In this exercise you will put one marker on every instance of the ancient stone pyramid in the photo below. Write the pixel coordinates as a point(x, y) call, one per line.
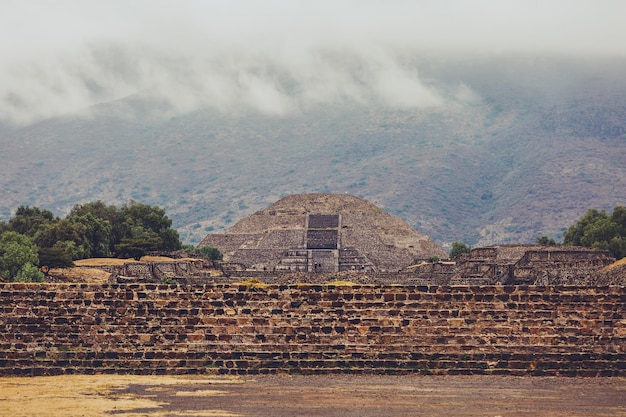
point(323, 233)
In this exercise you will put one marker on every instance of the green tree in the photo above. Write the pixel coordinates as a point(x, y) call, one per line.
point(599, 233)
point(190, 249)
point(619, 218)
point(170, 239)
point(617, 247)
point(132, 230)
point(96, 208)
point(458, 248)
point(103, 223)
point(96, 229)
point(75, 252)
point(545, 240)
point(64, 231)
point(596, 229)
point(141, 221)
point(210, 252)
point(97, 232)
point(29, 220)
point(575, 233)
point(18, 257)
point(137, 247)
point(55, 257)
point(29, 273)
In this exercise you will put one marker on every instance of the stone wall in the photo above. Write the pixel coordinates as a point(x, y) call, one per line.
point(156, 271)
point(50, 329)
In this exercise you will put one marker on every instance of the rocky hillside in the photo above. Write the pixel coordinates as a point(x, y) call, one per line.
point(523, 146)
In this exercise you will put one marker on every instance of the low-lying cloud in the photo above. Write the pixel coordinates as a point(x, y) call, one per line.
point(274, 57)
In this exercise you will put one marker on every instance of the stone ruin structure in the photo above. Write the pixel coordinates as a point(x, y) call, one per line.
point(160, 271)
point(531, 264)
point(236, 329)
point(323, 233)
point(487, 325)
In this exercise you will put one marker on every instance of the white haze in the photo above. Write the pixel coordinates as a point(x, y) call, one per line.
point(275, 57)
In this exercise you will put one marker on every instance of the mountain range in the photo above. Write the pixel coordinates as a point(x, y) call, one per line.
point(521, 146)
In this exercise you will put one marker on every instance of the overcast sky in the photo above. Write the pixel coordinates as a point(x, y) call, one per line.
point(61, 57)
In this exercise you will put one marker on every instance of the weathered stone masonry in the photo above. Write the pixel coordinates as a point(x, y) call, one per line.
point(221, 328)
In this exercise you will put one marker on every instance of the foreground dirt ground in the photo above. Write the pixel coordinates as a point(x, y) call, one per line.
point(171, 396)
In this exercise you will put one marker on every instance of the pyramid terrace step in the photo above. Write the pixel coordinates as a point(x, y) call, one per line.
point(89, 328)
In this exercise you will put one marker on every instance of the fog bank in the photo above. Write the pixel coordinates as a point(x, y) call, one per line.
point(274, 57)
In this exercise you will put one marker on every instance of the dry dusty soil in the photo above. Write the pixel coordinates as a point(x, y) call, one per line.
point(124, 396)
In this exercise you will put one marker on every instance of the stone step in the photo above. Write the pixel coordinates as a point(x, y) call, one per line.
point(246, 367)
point(348, 352)
point(300, 308)
point(49, 371)
point(318, 342)
point(384, 344)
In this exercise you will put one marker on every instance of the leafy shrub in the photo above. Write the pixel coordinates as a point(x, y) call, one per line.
point(545, 240)
point(596, 229)
point(210, 252)
point(459, 248)
point(18, 257)
point(29, 273)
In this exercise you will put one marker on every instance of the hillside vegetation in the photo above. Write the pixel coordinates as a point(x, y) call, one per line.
point(531, 144)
